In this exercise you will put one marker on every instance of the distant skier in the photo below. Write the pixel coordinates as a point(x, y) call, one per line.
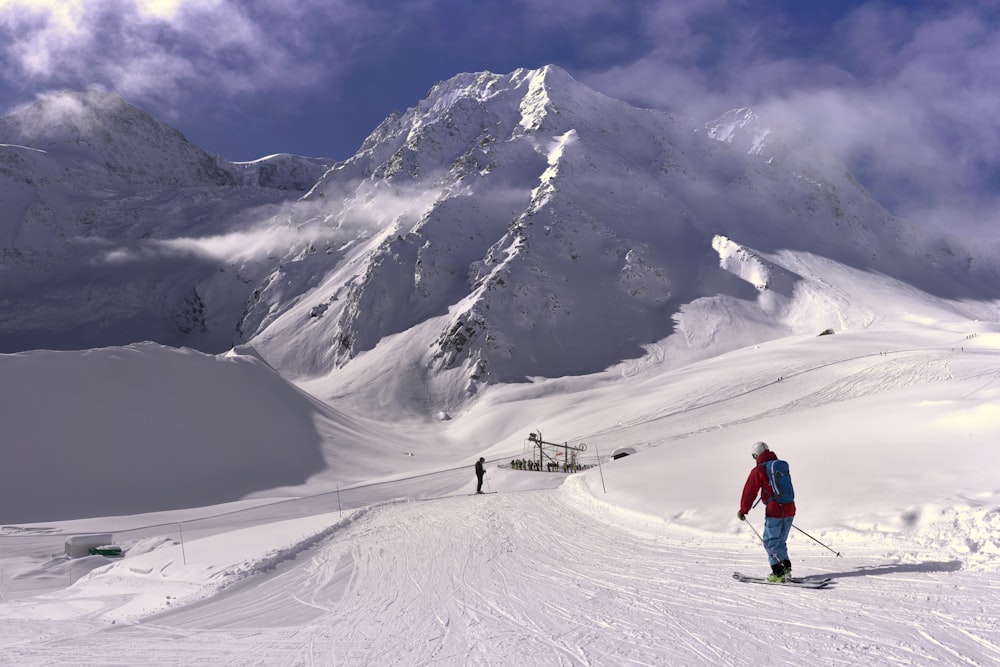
point(778, 516)
point(480, 472)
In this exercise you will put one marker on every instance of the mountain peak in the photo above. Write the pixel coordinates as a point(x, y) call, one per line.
point(483, 85)
point(475, 108)
point(69, 117)
point(542, 91)
point(746, 131)
point(94, 125)
point(550, 87)
point(540, 88)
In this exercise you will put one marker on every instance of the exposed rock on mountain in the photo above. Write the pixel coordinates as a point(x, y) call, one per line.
point(507, 226)
point(546, 229)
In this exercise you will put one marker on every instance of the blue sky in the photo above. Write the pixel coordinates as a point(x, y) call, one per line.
point(906, 93)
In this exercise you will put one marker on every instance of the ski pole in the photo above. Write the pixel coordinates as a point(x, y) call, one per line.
point(815, 540)
point(487, 478)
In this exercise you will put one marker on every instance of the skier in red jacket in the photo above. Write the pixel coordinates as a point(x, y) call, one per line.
point(777, 516)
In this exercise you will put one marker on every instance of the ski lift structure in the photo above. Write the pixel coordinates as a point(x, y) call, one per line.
point(552, 455)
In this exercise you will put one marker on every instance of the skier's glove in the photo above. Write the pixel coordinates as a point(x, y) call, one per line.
point(741, 516)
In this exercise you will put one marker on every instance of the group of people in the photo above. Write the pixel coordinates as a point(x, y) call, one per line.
point(550, 466)
point(778, 512)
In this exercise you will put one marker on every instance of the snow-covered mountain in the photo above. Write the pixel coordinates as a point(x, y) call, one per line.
point(506, 227)
point(99, 139)
point(524, 225)
point(94, 191)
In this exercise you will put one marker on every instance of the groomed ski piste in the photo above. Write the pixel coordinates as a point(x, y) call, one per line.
point(890, 432)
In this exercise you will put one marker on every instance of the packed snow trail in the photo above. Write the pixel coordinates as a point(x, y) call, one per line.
point(554, 577)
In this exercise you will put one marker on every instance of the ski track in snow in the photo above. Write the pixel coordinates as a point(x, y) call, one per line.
point(467, 580)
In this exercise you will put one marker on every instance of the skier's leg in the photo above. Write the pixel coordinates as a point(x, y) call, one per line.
point(780, 547)
point(772, 538)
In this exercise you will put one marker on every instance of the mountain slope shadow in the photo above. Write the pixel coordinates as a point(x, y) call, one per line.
point(147, 425)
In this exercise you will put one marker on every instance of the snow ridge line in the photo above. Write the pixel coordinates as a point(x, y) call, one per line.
point(270, 561)
point(579, 496)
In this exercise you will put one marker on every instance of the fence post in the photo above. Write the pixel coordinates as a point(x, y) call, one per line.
point(180, 530)
point(600, 468)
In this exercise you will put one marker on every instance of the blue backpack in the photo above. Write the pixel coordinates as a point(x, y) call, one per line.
point(780, 480)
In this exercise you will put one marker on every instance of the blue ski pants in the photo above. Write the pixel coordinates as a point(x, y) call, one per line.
point(776, 531)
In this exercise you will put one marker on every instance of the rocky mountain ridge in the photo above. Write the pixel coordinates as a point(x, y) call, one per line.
point(555, 231)
point(508, 226)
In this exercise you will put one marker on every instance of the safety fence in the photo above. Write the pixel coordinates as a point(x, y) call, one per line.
point(33, 558)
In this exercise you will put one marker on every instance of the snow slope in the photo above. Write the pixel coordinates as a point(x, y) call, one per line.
point(147, 428)
point(888, 425)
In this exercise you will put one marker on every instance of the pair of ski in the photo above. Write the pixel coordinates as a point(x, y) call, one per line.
point(791, 581)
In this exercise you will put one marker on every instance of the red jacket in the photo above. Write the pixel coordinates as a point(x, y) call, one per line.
point(757, 482)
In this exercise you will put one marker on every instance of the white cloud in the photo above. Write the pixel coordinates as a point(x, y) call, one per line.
point(166, 9)
point(908, 100)
point(157, 50)
point(301, 225)
point(923, 118)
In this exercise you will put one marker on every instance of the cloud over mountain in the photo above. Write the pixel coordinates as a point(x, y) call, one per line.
point(174, 48)
point(898, 94)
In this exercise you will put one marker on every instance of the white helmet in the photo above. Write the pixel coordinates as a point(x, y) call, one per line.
point(758, 449)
